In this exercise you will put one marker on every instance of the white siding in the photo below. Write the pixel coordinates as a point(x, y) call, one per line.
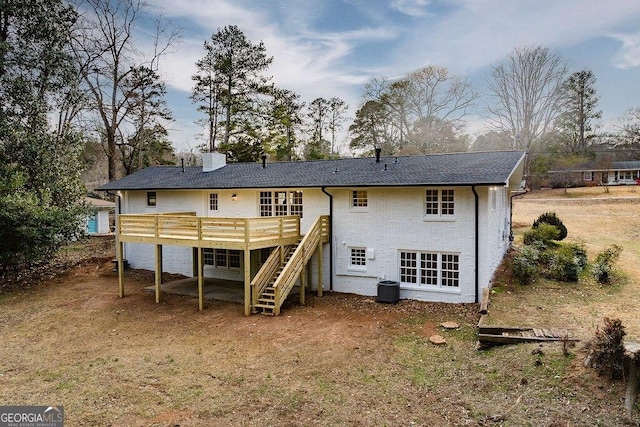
point(177, 259)
point(394, 220)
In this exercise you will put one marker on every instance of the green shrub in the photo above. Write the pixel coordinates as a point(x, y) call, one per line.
point(544, 234)
point(564, 265)
point(525, 264)
point(580, 254)
point(603, 265)
point(551, 218)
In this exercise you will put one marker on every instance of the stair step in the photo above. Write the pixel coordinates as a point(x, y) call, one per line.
point(265, 306)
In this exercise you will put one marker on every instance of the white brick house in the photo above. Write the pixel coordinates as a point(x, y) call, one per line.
point(437, 224)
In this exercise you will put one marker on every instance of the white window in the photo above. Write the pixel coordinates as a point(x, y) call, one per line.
point(450, 269)
point(209, 258)
point(359, 199)
point(266, 203)
point(221, 258)
point(629, 175)
point(151, 199)
point(440, 203)
point(429, 268)
point(280, 203)
point(358, 257)
point(587, 176)
point(213, 201)
point(408, 267)
point(435, 269)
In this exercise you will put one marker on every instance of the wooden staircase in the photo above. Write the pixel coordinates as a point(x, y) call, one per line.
point(267, 299)
point(277, 277)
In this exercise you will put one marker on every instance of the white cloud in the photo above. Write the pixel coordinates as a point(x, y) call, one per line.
point(475, 34)
point(628, 56)
point(411, 7)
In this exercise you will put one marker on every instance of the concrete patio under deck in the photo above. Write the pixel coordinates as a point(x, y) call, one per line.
point(214, 289)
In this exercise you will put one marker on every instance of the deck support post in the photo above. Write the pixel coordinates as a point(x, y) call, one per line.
point(320, 268)
point(158, 271)
point(120, 261)
point(247, 282)
point(200, 280)
point(303, 284)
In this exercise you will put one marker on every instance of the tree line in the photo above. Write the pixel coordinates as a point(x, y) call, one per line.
point(73, 77)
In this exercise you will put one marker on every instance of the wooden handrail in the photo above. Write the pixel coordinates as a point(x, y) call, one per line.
point(266, 273)
point(284, 283)
point(188, 227)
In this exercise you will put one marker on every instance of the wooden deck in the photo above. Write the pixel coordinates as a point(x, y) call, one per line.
point(186, 229)
point(244, 234)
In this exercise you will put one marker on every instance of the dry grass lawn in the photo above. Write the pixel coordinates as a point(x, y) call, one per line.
point(342, 360)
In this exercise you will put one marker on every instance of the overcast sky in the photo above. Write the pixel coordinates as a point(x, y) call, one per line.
point(326, 48)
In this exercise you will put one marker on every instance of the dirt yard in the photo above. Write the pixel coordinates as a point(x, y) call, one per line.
point(67, 339)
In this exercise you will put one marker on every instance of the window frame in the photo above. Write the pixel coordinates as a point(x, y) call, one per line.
point(429, 270)
point(222, 259)
point(359, 200)
point(152, 199)
point(213, 202)
point(357, 258)
point(280, 203)
point(439, 204)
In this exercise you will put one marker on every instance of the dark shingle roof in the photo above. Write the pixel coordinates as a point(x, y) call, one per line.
point(488, 168)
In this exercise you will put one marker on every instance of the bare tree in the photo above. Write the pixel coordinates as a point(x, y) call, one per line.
point(428, 103)
point(435, 95)
point(525, 88)
point(107, 52)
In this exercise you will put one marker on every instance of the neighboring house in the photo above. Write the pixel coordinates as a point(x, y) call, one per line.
point(437, 224)
point(97, 223)
point(597, 173)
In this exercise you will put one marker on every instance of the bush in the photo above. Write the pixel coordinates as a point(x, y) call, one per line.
point(551, 218)
point(603, 265)
point(580, 254)
point(565, 265)
point(607, 349)
point(525, 264)
point(544, 234)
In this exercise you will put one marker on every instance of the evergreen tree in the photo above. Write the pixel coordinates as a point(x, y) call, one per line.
point(579, 104)
point(40, 186)
point(230, 89)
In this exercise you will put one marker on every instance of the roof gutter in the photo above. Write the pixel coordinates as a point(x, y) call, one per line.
point(330, 239)
point(477, 244)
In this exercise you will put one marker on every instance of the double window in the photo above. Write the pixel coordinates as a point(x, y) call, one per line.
point(222, 258)
point(430, 269)
point(440, 203)
point(280, 203)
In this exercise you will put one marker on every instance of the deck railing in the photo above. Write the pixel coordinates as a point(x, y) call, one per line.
point(188, 229)
point(319, 232)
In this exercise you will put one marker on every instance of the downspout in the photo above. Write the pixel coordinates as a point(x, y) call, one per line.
point(477, 244)
point(511, 213)
point(330, 238)
point(119, 201)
